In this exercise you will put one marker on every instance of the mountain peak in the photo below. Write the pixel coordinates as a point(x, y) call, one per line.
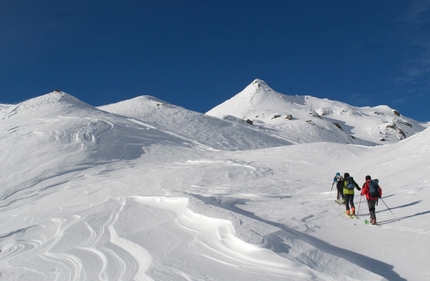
point(258, 82)
point(308, 119)
point(53, 97)
point(255, 99)
point(257, 85)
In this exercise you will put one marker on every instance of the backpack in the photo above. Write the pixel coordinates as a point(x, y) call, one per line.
point(349, 183)
point(373, 188)
point(339, 181)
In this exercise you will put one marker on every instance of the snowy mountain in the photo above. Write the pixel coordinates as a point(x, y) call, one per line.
point(146, 190)
point(208, 131)
point(304, 119)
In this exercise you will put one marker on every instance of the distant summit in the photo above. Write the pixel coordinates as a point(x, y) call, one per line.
point(56, 96)
point(304, 119)
point(258, 84)
point(56, 100)
point(257, 99)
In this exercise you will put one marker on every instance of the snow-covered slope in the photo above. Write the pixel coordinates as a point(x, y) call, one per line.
point(129, 195)
point(304, 119)
point(65, 135)
point(206, 130)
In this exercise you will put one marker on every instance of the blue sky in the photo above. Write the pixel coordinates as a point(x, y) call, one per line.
point(197, 54)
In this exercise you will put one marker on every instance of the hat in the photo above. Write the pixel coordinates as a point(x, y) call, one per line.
point(337, 174)
point(368, 177)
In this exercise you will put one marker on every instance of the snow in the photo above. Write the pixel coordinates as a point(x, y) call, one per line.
point(146, 190)
point(320, 119)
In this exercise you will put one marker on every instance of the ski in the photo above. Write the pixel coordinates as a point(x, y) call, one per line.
point(351, 216)
point(368, 223)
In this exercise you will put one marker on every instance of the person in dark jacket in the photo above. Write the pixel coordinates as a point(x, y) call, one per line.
point(338, 180)
point(348, 191)
point(371, 201)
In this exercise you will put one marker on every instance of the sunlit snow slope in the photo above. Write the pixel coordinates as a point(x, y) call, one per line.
point(202, 129)
point(145, 190)
point(304, 119)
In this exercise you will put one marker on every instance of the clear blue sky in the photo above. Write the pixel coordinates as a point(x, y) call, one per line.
point(199, 53)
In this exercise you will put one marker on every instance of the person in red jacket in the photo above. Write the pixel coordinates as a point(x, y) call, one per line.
point(372, 201)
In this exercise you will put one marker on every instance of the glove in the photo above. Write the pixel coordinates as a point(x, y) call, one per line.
point(359, 188)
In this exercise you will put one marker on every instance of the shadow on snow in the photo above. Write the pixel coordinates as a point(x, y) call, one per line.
point(378, 267)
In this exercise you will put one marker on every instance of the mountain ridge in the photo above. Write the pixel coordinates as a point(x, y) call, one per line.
point(272, 118)
point(204, 129)
point(292, 117)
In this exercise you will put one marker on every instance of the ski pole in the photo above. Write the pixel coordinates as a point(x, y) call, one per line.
point(359, 204)
point(389, 209)
point(330, 191)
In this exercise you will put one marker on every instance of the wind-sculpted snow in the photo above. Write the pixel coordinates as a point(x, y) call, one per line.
point(82, 246)
point(140, 238)
point(215, 240)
